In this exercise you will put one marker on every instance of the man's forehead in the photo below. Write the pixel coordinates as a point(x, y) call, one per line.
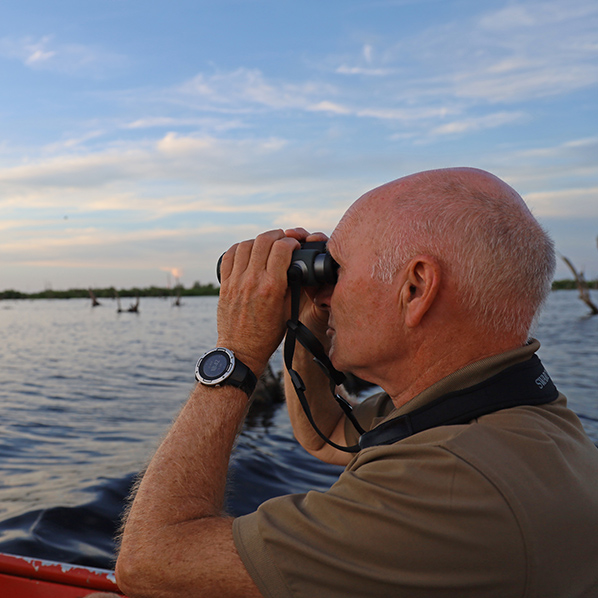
point(351, 226)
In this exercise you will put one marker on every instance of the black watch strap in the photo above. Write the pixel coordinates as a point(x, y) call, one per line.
point(242, 377)
point(220, 366)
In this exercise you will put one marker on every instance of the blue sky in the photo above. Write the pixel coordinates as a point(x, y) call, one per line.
point(140, 139)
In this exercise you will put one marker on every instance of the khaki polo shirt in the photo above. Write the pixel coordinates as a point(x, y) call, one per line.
point(505, 506)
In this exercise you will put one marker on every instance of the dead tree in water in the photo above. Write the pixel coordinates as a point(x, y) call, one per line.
point(94, 300)
point(177, 301)
point(134, 307)
point(582, 286)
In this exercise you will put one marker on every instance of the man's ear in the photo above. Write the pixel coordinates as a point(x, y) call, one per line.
point(420, 288)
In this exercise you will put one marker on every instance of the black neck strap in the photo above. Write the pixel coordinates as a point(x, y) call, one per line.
point(525, 383)
point(296, 331)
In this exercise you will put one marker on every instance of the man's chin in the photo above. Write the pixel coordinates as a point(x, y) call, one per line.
point(333, 354)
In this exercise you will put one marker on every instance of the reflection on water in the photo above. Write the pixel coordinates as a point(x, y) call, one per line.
point(86, 394)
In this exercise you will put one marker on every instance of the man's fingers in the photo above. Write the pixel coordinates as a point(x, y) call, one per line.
point(302, 235)
point(262, 247)
point(226, 262)
point(253, 256)
point(242, 257)
point(297, 233)
point(317, 237)
point(279, 258)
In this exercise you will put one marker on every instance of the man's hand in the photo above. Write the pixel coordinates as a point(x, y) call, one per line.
point(254, 301)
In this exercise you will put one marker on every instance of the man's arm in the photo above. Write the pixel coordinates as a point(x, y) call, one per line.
point(326, 412)
point(176, 541)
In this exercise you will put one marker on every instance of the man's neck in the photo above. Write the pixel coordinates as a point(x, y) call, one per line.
point(428, 366)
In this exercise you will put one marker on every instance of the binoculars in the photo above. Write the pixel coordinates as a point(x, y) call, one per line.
point(311, 266)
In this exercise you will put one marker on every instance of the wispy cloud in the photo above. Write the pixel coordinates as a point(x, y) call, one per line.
point(173, 175)
point(522, 52)
point(47, 53)
point(516, 53)
point(366, 65)
point(565, 203)
point(510, 56)
point(576, 159)
point(218, 125)
point(247, 89)
point(477, 123)
point(99, 247)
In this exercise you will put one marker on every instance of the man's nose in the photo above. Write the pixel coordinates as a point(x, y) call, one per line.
point(322, 296)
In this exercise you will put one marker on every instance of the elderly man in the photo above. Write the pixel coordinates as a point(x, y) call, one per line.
point(440, 277)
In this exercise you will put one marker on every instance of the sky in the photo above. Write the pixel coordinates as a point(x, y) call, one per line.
point(140, 139)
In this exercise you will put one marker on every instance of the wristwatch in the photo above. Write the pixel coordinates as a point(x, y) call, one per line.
point(220, 366)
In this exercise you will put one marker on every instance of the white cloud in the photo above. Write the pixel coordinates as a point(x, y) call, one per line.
point(489, 121)
point(518, 52)
point(366, 65)
point(537, 14)
point(38, 56)
point(554, 166)
point(219, 125)
point(172, 157)
point(323, 220)
point(331, 107)
point(344, 69)
point(173, 176)
point(45, 53)
point(247, 89)
point(528, 51)
point(27, 50)
point(565, 203)
point(515, 54)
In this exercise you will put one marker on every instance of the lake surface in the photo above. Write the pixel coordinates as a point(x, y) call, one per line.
point(86, 394)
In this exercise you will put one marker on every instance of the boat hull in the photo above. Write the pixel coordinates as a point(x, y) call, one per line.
point(25, 577)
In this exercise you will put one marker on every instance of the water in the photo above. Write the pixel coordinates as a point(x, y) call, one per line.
point(86, 394)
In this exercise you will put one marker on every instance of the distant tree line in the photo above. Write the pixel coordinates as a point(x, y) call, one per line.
point(559, 285)
point(108, 293)
point(196, 290)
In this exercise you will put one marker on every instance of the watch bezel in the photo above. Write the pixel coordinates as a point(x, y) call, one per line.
point(222, 377)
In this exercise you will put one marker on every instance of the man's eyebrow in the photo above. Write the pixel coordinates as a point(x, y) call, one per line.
point(333, 248)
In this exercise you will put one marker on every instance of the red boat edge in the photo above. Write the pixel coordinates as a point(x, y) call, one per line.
point(26, 577)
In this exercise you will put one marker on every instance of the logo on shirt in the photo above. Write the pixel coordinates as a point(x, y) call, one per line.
point(543, 379)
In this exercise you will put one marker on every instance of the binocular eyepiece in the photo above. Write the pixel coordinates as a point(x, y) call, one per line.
point(311, 266)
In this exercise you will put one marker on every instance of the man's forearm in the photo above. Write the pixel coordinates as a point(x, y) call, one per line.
point(326, 412)
point(177, 512)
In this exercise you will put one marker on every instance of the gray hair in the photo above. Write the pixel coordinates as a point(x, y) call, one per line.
point(485, 238)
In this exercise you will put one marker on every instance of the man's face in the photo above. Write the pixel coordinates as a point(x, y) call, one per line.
point(363, 312)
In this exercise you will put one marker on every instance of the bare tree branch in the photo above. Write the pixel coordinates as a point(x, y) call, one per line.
point(582, 286)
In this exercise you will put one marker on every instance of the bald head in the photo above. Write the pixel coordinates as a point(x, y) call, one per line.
point(449, 188)
point(479, 229)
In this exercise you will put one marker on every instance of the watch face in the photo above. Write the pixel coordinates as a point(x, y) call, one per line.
point(214, 366)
